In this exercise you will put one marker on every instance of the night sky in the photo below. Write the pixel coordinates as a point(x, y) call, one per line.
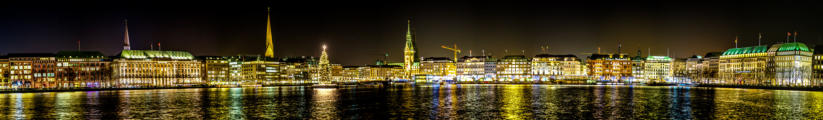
point(360, 32)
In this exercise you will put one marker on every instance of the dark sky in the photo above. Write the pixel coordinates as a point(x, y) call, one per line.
point(361, 32)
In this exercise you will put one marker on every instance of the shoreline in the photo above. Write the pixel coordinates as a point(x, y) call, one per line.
point(820, 88)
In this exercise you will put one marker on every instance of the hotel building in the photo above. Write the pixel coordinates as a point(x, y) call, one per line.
point(437, 69)
point(784, 64)
point(817, 66)
point(83, 69)
point(658, 69)
point(32, 70)
point(476, 69)
point(556, 68)
point(150, 68)
point(609, 67)
point(4, 72)
point(514, 68)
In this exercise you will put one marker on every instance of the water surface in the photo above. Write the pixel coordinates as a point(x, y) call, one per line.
point(419, 102)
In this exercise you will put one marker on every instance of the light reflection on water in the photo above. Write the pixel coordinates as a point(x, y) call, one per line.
point(420, 102)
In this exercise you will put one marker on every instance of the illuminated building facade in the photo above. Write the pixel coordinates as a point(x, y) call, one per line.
point(817, 66)
point(747, 65)
point(336, 72)
point(476, 69)
point(351, 74)
point(4, 72)
point(658, 69)
point(83, 69)
point(261, 71)
point(438, 69)
point(150, 68)
point(217, 70)
point(793, 65)
point(32, 70)
point(297, 70)
point(381, 73)
point(708, 67)
point(514, 68)
point(556, 68)
point(638, 68)
point(679, 71)
point(784, 64)
point(609, 67)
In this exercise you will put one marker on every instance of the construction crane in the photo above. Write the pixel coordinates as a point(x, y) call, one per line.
point(455, 49)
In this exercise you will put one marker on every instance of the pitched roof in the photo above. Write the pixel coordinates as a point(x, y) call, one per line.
point(155, 54)
point(794, 46)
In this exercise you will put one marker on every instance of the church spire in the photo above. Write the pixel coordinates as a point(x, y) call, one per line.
point(126, 45)
point(269, 43)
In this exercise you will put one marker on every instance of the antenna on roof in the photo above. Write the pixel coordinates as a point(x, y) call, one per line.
point(795, 36)
point(759, 38)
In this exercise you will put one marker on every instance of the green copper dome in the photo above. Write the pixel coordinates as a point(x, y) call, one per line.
point(150, 54)
point(747, 50)
point(793, 46)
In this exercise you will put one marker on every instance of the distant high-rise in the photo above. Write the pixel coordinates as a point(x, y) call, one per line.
point(126, 45)
point(410, 57)
point(269, 43)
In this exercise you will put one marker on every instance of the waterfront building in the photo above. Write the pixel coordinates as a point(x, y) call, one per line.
point(35, 70)
point(151, 68)
point(784, 64)
point(411, 61)
point(351, 74)
point(83, 69)
point(609, 67)
point(220, 70)
point(693, 67)
point(679, 71)
point(336, 72)
point(817, 66)
point(381, 73)
point(751, 65)
point(437, 69)
point(261, 71)
point(658, 69)
point(708, 67)
point(514, 68)
point(4, 72)
point(476, 69)
point(638, 68)
point(297, 70)
point(556, 68)
point(792, 62)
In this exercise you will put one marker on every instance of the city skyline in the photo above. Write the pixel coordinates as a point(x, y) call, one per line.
point(494, 31)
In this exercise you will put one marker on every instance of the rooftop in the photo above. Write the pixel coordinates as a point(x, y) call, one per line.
point(30, 55)
point(747, 50)
point(155, 54)
point(551, 55)
point(514, 57)
point(80, 54)
point(794, 46)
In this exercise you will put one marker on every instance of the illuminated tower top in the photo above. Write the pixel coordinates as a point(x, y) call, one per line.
point(410, 56)
point(324, 58)
point(269, 42)
point(126, 45)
